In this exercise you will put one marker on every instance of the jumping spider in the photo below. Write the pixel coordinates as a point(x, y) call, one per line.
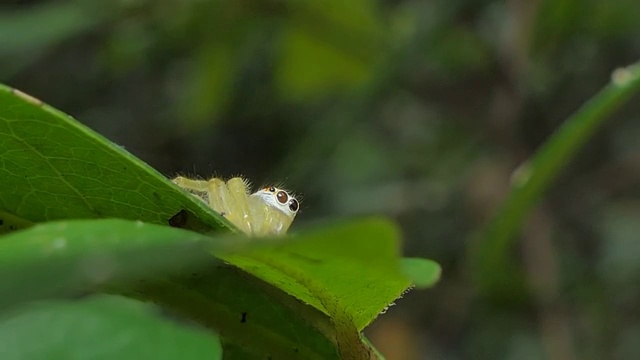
point(268, 211)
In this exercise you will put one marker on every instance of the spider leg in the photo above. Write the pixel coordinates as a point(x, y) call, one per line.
point(221, 200)
point(238, 188)
point(218, 196)
point(198, 188)
point(194, 185)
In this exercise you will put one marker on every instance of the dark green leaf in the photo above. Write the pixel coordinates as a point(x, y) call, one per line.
point(56, 168)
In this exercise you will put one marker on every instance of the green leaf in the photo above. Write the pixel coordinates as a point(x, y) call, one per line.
point(356, 263)
point(71, 257)
point(55, 168)
point(168, 266)
point(251, 316)
point(104, 327)
point(495, 271)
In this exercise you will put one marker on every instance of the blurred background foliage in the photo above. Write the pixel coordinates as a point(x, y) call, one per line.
point(418, 110)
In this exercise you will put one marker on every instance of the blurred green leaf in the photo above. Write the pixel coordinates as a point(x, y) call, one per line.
point(493, 267)
point(560, 22)
point(211, 80)
point(128, 46)
point(621, 249)
point(56, 168)
point(62, 258)
point(44, 25)
point(458, 52)
point(104, 327)
point(170, 267)
point(614, 18)
point(327, 47)
point(310, 67)
point(361, 17)
point(422, 272)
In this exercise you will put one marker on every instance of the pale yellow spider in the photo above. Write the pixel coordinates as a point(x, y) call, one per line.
point(268, 211)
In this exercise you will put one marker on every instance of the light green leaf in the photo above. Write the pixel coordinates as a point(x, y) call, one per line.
point(104, 327)
point(167, 266)
point(356, 264)
point(424, 273)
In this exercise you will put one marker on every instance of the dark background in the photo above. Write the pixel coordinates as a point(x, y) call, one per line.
point(416, 110)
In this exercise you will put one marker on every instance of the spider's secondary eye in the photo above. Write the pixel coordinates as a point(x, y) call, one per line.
point(282, 197)
point(271, 189)
point(293, 206)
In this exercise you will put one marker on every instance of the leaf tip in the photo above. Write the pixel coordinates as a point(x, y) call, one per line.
point(423, 273)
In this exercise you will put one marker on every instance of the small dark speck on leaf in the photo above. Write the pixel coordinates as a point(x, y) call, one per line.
point(178, 220)
point(244, 317)
point(11, 227)
point(1, 222)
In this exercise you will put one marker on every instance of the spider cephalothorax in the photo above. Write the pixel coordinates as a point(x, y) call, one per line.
point(268, 211)
point(279, 198)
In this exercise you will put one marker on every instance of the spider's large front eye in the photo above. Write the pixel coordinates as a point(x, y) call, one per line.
point(293, 205)
point(282, 197)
